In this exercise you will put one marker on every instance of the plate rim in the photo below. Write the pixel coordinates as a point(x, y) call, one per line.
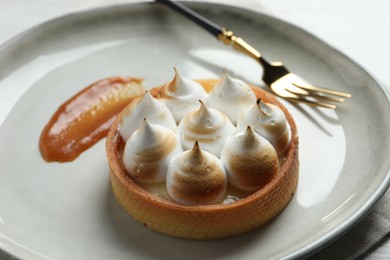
point(307, 250)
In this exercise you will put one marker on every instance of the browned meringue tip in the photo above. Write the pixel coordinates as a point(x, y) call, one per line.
point(203, 109)
point(250, 139)
point(264, 108)
point(249, 132)
point(201, 105)
point(146, 125)
point(196, 152)
point(171, 85)
point(147, 94)
point(224, 75)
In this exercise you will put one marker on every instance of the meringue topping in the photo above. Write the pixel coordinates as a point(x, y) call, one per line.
point(181, 95)
point(250, 161)
point(145, 107)
point(148, 152)
point(231, 96)
point(208, 126)
point(196, 177)
point(269, 121)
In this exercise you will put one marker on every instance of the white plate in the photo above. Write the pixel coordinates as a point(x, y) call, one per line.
point(67, 211)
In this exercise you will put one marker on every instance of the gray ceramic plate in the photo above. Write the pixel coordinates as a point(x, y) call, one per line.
point(67, 211)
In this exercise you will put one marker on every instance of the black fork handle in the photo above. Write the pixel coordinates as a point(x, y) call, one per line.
point(206, 24)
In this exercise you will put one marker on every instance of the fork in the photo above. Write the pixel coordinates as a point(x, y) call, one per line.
point(275, 75)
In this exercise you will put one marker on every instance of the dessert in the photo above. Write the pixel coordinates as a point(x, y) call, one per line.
point(229, 210)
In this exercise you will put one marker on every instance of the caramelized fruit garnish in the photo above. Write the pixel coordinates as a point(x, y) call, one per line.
point(86, 117)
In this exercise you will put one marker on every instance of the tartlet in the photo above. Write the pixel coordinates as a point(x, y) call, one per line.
point(205, 221)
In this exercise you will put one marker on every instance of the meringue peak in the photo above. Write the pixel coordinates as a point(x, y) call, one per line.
point(264, 108)
point(196, 155)
point(179, 85)
point(228, 82)
point(181, 95)
point(145, 106)
point(269, 121)
point(196, 177)
point(250, 161)
point(147, 131)
point(171, 86)
point(148, 152)
point(250, 137)
point(231, 96)
point(147, 97)
point(208, 126)
point(203, 112)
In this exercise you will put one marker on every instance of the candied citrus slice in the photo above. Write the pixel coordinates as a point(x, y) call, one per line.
point(86, 117)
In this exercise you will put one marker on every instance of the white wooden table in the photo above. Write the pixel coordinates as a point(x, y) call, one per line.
point(360, 29)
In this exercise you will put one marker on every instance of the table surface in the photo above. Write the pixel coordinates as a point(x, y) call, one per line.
point(359, 29)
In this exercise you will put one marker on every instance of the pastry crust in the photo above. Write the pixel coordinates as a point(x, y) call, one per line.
point(205, 221)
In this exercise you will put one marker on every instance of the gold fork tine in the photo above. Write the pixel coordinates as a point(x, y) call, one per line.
point(312, 88)
point(284, 88)
point(327, 98)
point(304, 99)
point(289, 87)
point(316, 95)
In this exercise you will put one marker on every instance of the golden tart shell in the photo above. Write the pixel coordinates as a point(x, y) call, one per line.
point(205, 221)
